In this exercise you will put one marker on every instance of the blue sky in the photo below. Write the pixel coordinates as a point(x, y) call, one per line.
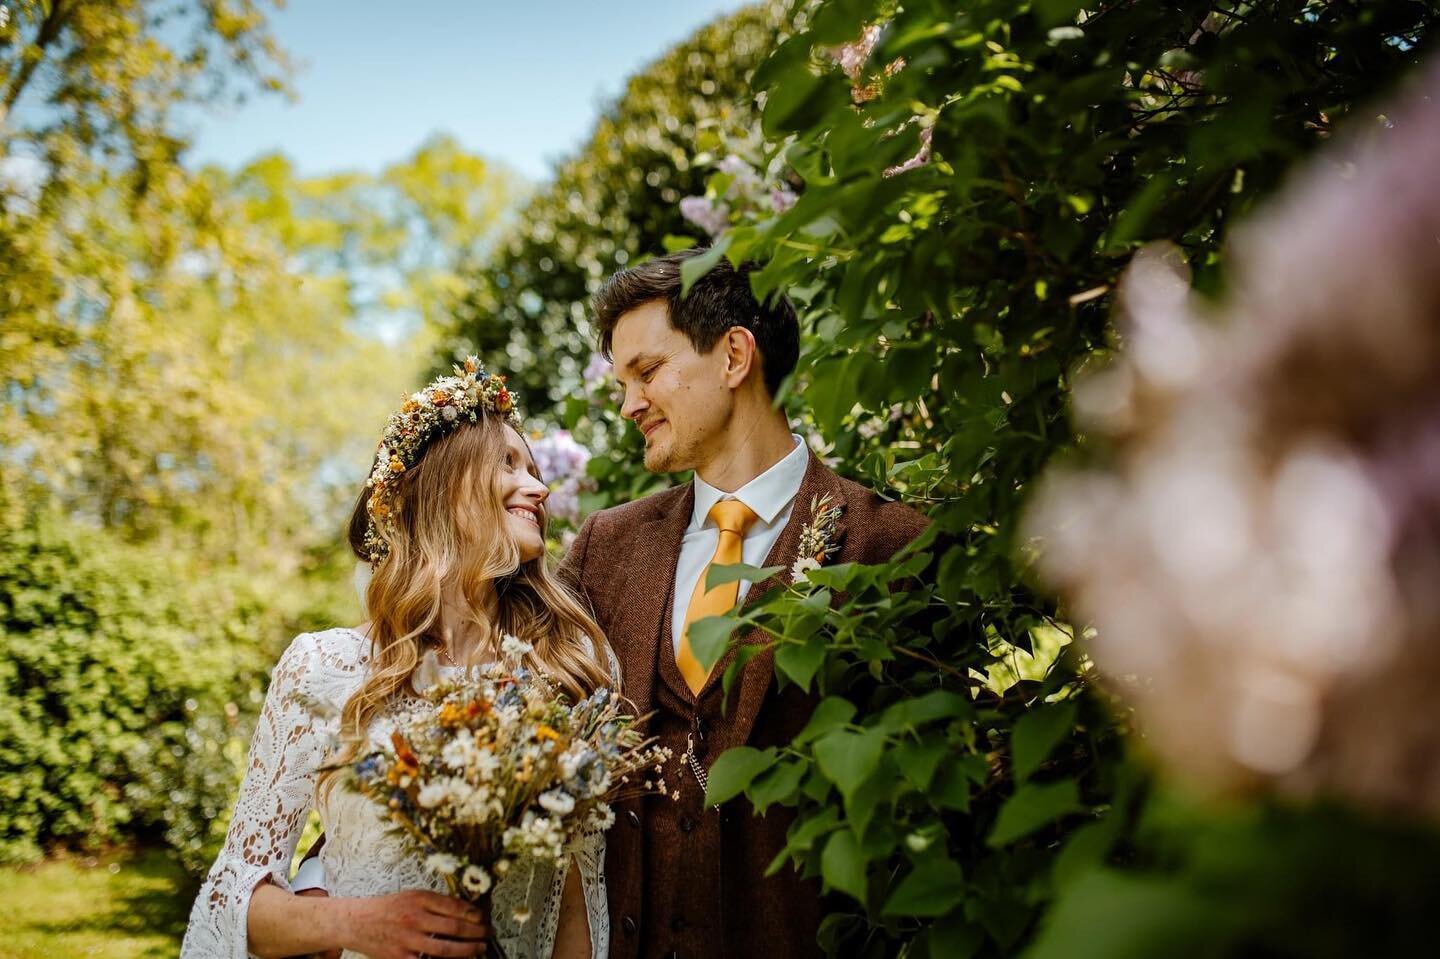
point(519, 81)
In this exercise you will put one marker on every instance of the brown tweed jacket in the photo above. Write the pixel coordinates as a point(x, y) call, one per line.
point(623, 562)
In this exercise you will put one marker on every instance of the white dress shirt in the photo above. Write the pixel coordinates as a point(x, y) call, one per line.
point(771, 496)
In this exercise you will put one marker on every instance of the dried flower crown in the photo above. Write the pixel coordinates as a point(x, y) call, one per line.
point(426, 416)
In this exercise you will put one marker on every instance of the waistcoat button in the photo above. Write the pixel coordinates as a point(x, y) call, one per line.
point(628, 925)
point(686, 824)
point(634, 819)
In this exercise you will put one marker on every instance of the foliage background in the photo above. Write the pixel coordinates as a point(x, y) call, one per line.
point(190, 364)
point(972, 182)
point(965, 184)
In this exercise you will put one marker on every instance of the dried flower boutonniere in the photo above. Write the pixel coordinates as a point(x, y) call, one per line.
point(818, 538)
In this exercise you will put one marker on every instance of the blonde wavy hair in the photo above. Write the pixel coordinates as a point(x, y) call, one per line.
point(451, 532)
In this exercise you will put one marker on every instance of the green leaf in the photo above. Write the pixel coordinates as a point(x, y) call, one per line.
point(1053, 12)
point(734, 770)
point(790, 57)
point(842, 864)
point(776, 784)
point(849, 758)
point(932, 888)
point(831, 713)
point(798, 662)
point(697, 266)
point(951, 787)
point(734, 572)
point(919, 760)
point(910, 713)
point(1034, 805)
point(1110, 915)
point(743, 654)
point(675, 244)
point(710, 636)
point(1131, 225)
point(866, 800)
point(1086, 849)
point(955, 938)
point(1038, 732)
point(840, 21)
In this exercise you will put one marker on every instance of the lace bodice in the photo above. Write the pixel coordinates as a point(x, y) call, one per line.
point(361, 856)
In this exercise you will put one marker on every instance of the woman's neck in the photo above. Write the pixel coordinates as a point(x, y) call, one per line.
point(468, 629)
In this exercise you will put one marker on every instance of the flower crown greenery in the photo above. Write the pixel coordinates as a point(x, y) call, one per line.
point(433, 412)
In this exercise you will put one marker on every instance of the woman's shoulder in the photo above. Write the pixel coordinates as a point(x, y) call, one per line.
point(320, 662)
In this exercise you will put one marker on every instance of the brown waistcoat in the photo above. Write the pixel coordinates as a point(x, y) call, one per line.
point(684, 880)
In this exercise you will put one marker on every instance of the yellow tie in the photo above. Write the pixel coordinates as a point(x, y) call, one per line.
point(734, 518)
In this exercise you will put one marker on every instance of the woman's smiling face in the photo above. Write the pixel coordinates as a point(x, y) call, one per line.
point(522, 496)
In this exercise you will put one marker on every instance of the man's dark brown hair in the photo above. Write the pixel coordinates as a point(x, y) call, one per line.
point(717, 301)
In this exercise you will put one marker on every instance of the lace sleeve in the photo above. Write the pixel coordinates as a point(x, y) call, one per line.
point(276, 794)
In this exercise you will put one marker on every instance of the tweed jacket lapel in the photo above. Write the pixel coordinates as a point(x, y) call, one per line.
point(649, 581)
point(754, 681)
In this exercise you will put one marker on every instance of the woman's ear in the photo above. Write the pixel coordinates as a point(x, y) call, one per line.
point(741, 355)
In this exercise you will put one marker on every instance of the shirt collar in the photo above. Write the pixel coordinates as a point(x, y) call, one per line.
point(767, 494)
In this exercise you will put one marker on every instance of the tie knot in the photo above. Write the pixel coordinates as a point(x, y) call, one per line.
point(732, 516)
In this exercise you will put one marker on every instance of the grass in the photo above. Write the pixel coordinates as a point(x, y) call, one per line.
point(122, 905)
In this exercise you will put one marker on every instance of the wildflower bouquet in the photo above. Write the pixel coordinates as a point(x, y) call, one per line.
point(498, 769)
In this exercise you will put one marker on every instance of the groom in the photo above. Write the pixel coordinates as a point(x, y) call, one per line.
point(700, 374)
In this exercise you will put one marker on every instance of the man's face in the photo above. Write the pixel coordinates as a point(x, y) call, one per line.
point(677, 397)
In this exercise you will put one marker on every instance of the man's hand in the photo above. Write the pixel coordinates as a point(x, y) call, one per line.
point(314, 893)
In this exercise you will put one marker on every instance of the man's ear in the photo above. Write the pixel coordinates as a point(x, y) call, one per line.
point(742, 357)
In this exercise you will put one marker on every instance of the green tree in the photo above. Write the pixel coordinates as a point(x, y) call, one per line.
point(614, 201)
point(194, 369)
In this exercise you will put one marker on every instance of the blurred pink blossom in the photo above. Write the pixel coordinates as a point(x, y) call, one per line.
point(1259, 556)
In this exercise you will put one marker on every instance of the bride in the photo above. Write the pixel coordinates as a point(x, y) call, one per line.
point(453, 523)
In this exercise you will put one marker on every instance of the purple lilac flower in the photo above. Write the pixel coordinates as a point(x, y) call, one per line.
point(711, 217)
point(564, 501)
point(596, 371)
point(559, 457)
point(744, 180)
point(782, 198)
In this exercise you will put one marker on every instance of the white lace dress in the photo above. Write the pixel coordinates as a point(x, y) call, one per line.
point(360, 856)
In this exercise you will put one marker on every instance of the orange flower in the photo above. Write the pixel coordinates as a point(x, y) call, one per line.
point(440, 397)
point(502, 401)
point(543, 731)
point(475, 708)
point(410, 406)
point(471, 365)
point(403, 752)
point(450, 715)
point(397, 465)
